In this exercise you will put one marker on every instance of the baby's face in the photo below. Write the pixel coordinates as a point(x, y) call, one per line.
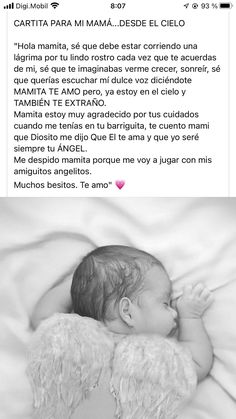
point(153, 312)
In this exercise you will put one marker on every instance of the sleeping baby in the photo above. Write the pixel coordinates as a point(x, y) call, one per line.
point(129, 292)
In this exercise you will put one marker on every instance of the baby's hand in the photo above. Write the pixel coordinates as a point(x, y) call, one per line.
point(194, 301)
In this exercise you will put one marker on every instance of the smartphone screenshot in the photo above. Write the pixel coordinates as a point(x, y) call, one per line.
point(117, 209)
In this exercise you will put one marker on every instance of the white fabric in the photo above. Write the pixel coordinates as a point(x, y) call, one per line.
point(42, 240)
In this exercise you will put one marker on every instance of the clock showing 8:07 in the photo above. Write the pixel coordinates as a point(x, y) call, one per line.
point(118, 5)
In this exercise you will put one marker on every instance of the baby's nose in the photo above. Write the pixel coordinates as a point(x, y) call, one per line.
point(174, 313)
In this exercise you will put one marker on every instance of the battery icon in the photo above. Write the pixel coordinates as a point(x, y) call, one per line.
point(225, 5)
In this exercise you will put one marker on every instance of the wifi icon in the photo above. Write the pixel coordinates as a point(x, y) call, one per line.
point(54, 4)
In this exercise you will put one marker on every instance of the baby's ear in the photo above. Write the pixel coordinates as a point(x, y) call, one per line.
point(126, 311)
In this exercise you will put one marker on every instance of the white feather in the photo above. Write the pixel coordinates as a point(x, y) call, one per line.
point(151, 377)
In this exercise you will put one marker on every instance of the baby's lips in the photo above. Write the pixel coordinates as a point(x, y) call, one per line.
point(176, 323)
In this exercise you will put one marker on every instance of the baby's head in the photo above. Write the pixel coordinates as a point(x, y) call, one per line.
point(126, 288)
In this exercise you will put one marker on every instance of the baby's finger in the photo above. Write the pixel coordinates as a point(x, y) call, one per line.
point(210, 298)
point(198, 288)
point(205, 293)
point(209, 301)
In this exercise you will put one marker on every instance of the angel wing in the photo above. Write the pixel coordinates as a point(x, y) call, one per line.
point(68, 356)
point(151, 377)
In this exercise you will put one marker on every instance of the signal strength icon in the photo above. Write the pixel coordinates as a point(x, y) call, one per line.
point(54, 4)
point(9, 6)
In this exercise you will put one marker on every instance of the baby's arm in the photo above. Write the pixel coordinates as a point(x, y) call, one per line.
point(192, 334)
point(56, 300)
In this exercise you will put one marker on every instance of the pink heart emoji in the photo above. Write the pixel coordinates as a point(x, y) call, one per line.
point(120, 183)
